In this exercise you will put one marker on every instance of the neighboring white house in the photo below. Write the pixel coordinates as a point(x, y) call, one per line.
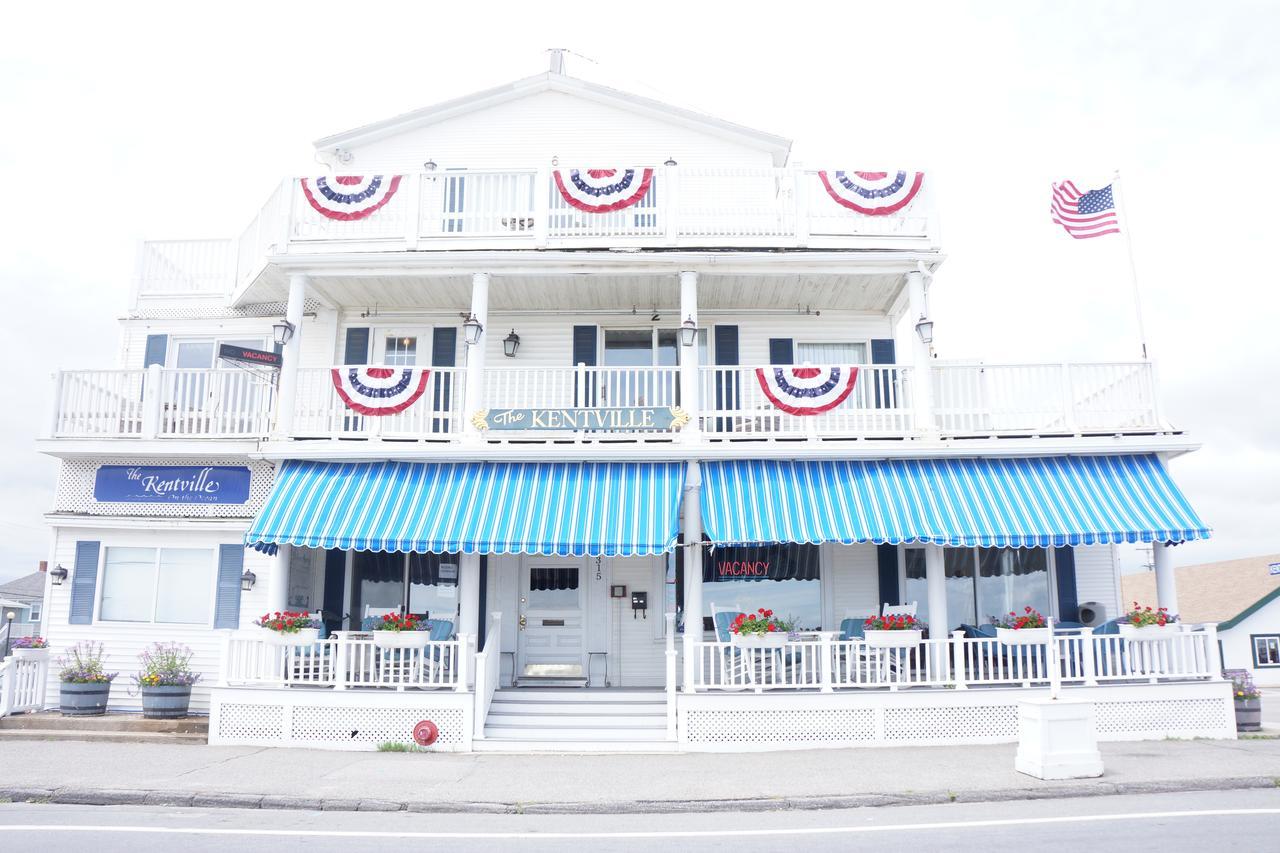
point(24, 598)
point(1242, 596)
point(569, 371)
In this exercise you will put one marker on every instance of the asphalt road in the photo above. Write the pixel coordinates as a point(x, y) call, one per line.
point(1220, 820)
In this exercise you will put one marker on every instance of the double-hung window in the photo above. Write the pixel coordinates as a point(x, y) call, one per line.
point(1266, 650)
point(172, 585)
point(828, 354)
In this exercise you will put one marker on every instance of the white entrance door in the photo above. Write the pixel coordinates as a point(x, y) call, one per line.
point(552, 624)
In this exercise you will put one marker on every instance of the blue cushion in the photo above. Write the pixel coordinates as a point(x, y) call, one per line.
point(441, 629)
point(852, 629)
point(367, 623)
point(724, 618)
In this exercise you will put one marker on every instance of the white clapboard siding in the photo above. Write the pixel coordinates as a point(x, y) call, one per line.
point(854, 583)
point(637, 652)
point(134, 333)
point(1098, 578)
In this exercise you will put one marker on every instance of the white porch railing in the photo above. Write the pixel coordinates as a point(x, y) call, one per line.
point(581, 386)
point(185, 267)
point(733, 402)
point(345, 660)
point(22, 684)
point(320, 412)
point(488, 672)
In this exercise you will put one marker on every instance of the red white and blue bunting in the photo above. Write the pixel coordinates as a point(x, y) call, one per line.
point(378, 391)
point(349, 197)
point(807, 390)
point(603, 190)
point(872, 193)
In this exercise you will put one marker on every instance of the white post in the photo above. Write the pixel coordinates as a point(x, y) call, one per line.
point(472, 395)
point(669, 199)
point(469, 594)
point(542, 206)
point(466, 648)
point(278, 582)
point(340, 651)
point(826, 671)
point(1214, 652)
point(58, 403)
point(692, 571)
point(800, 202)
point(922, 388)
point(935, 574)
point(689, 365)
point(1166, 582)
point(287, 390)
point(152, 394)
point(671, 675)
point(957, 660)
point(1088, 657)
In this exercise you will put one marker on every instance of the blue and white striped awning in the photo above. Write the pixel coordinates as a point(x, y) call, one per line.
point(1038, 501)
point(552, 508)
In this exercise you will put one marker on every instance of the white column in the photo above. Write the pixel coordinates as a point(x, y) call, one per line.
point(472, 399)
point(1166, 581)
point(468, 594)
point(278, 582)
point(693, 607)
point(936, 581)
point(689, 366)
point(922, 370)
point(287, 389)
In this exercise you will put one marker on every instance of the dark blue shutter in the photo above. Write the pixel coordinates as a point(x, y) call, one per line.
point(226, 608)
point(484, 602)
point(157, 346)
point(584, 352)
point(726, 354)
point(1064, 560)
point(882, 352)
point(887, 568)
point(444, 353)
point(84, 584)
point(335, 578)
point(356, 350)
point(782, 351)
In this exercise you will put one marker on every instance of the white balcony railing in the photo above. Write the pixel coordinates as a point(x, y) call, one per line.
point(581, 387)
point(320, 413)
point(22, 684)
point(345, 660)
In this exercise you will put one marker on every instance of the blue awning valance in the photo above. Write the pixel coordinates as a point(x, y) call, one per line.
point(553, 508)
point(1037, 501)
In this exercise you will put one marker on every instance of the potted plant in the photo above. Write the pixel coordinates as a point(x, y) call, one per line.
point(85, 685)
point(1022, 629)
point(757, 629)
point(893, 631)
point(1248, 701)
point(1143, 623)
point(165, 681)
point(30, 648)
point(401, 632)
point(287, 628)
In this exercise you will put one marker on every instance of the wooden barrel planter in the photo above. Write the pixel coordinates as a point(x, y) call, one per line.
point(84, 699)
point(1248, 715)
point(166, 702)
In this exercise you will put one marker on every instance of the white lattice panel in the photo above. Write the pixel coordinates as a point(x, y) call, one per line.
point(320, 725)
point(76, 477)
point(251, 722)
point(205, 309)
point(835, 725)
point(1173, 716)
point(970, 724)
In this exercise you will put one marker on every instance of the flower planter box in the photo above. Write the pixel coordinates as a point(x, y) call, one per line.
point(401, 639)
point(771, 640)
point(165, 702)
point(301, 637)
point(30, 654)
point(1147, 632)
point(84, 700)
point(893, 639)
point(1248, 715)
point(1023, 636)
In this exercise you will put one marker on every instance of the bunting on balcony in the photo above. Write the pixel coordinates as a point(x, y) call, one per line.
point(349, 197)
point(379, 391)
point(603, 190)
point(872, 193)
point(807, 390)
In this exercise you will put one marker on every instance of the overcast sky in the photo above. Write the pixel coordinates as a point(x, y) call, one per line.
point(126, 121)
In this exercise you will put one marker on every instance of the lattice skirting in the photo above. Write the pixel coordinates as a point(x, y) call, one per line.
point(348, 720)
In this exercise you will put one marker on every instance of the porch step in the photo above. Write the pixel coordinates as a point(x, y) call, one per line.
point(124, 723)
point(102, 736)
point(502, 719)
point(565, 718)
point(511, 745)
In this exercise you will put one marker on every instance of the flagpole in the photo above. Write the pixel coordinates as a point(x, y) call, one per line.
point(1123, 209)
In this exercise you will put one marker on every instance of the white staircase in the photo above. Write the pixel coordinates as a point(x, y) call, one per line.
point(576, 720)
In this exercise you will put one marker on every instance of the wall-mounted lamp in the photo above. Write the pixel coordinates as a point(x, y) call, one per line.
point(671, 161)
point(688, 332)
point(57, 575)
point(247, 580)
point(429, 166)
point(924, 328)
point(471, 330)
point(283, 331)
point(510, 344)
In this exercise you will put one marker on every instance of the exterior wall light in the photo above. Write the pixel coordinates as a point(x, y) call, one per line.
point(510, 344)
point(671, 161)
point(688, 332)
point(283, 332)
point(429, 166)
point(471, 330)
point(57, 575)
point(924, 328)
point(247, 580)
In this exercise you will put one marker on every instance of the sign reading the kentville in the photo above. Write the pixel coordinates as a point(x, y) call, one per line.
point(174, 484)
point(633, 419)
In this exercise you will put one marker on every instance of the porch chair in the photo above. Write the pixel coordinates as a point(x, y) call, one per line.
point(437, 666)
point(864, 662)
point(736, 664)
point(312, 664)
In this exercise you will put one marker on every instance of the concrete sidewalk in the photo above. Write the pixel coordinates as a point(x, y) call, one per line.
point(246, 777)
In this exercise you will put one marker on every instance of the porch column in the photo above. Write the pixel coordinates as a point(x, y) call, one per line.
point(473, 393)
point(1166, 581)
point(469, 594)
point(922, 368)
point(689, 366)
point(935, 573)
point(278, 583)
point(287, 388)
point(692, 524)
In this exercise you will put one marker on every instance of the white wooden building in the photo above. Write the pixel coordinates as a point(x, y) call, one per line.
point(613, 432)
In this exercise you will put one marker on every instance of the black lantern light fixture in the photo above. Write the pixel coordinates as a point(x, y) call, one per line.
point(429, 166)
point(57, 575)
point(688, 332)
point(924, 328)
point(247, 580)
point(283, 332)
point(471, 330)
point(510, 344)
point(671, 161)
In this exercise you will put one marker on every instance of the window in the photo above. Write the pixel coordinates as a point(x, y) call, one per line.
point(982, 583)
point(784, 578)
point(1266, 649)
point(422, 584)
point(400, 350)
point(34, 614)
point(202, 353)
point(553, 588)
point(831, 353)
point(157, 585)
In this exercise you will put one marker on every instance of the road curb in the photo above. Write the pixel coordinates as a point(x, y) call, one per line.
point(215, 800)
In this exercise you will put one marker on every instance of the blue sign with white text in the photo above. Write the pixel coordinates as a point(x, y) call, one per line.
point(172, 484)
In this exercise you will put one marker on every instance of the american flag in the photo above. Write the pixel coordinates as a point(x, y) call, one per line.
point(1089, 214)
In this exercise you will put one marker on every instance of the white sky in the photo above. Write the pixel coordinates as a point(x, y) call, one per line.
point(127, 121)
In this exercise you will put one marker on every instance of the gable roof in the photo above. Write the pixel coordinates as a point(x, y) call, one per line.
point(27, 586)
point(1224, 592)
point(776, 145)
